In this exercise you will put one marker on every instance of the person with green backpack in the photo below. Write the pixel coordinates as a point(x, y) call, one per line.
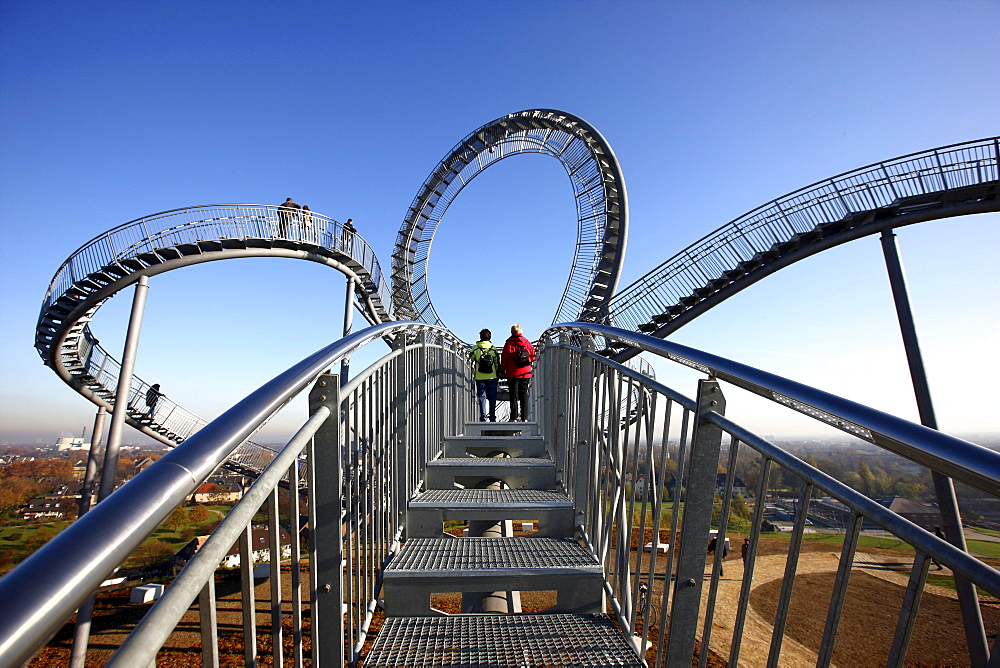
point(486, 363)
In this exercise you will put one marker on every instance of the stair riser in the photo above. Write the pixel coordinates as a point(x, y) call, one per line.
point(474, 476)
point(484, 446)
point(409, 596)
point(429, 523)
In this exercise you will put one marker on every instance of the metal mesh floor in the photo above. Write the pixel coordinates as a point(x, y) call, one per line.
point(501, 640)
point(486, 461)
point(512, 497)
point(491, 554)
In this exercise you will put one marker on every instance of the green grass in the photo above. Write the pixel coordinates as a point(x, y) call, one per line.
point(984, 548)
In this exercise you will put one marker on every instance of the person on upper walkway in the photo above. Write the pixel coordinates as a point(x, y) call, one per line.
point(515, 365)
point(347, 237)
point(486, 363)
point(286, 216)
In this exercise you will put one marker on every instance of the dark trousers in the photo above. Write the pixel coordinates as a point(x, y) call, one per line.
point(486, 392)
point(519, 398)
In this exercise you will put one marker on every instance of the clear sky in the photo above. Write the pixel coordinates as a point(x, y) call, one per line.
point(114, 110)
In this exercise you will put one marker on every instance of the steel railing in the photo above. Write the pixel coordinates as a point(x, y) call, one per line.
point(582, 397)
point(624, 445)
point(372, 435)
point(191, 225)
point(904, 180)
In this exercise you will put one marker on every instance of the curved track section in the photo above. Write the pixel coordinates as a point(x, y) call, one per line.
point(598, 188)
point(116, 259)
point(949, 181)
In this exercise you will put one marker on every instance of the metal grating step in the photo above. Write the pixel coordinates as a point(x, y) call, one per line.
point(427, 511)
point(472, 557)
point(502, 640)
point(427, 566)
point(491, 498)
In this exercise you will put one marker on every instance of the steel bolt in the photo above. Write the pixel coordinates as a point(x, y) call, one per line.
point(327, 588)
point(690, 583)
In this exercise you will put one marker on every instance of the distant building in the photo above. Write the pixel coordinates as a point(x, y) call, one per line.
point(142, 464)
point(739, 487)
point(68, 443)
point(49, 506)
point(923, 515)
point(259, 546)
point(219, 489)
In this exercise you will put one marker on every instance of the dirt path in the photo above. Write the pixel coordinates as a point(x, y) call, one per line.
point(756, 643)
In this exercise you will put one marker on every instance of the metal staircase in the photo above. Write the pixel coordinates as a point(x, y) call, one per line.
point(574, 631)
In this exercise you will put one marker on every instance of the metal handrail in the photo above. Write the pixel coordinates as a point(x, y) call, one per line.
point(207, 222)
point(43, 591)
point(879, 185)
point(602, 458)
point(956, 458)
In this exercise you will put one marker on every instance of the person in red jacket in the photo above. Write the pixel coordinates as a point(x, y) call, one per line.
point(515, 365)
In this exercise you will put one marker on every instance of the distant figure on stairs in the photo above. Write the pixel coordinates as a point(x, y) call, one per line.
point(486, 362)
point(515, 366)
point(153, 395)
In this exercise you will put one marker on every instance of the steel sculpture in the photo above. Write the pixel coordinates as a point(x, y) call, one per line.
point(598, 188)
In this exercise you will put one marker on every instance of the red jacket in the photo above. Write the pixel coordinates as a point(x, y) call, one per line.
point(508, 364)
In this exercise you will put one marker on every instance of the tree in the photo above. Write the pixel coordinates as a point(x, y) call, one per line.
point(176, 520)
point(199, 514)
point(151, 553)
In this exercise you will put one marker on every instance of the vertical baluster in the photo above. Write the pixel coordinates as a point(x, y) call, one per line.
point(249, 602)
point(791, 564)
point(209, 625)
point(274, 548)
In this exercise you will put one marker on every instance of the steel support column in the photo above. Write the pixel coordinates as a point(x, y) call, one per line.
point(120, 411)
point(944, 487)
point(345, 362)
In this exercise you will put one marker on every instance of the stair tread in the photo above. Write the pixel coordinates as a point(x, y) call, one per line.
point(489, 461)
point(502, 640)
point(474, 557)
point(491, 498)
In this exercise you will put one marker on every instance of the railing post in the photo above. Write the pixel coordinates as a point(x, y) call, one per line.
point(583, 472)
point(400, 441)
point(423, 398)
point(698, 497)
point(557, 406)
point(325, 527)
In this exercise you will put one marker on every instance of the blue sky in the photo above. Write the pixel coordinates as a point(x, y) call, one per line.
point(114, 110)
